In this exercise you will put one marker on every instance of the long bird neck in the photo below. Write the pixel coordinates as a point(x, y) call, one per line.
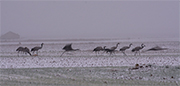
point(142, 46)
point(117, 45)
point(41, 45)
point(130, 45)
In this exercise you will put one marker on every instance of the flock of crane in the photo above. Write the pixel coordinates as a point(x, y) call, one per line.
point(26, 50)
point(68, 47)
point(112, 49)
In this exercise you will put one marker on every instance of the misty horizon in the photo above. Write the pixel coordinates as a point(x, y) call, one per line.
point(91, 19)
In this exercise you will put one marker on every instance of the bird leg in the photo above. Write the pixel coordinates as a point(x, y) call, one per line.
point(124, 53)
point(37, 52)
point(18, 53)
point(135, 53)
point(96, 53)
point(62, 53)
point(139, 52)
point(114, 53)
point(104, 52)
point(111, 52)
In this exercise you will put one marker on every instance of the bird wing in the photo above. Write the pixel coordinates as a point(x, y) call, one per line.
point(98, 48)
point(136, 48)
point(125, 47)
point(67, 47)
point(35, 48)
point(113, 48)
point(156, 48)
point(19, 48)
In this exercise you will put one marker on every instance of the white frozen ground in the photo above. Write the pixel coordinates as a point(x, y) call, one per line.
point(49, 55)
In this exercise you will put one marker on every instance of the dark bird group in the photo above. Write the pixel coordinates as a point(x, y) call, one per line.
point(107, 50)
point(123, 49)
point(68, 47)
point(26, 50)
point(112, 49)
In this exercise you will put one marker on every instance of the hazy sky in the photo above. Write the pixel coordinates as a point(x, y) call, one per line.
point(91, 19)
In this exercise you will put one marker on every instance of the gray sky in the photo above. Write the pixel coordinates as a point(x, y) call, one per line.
point(91, 19)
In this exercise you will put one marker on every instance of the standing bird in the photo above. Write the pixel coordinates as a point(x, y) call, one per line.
point(97, 49)
point(138, 48)
point(156, 48)
point(107, 50)
point(113, 48)
point(124, 48)
point(37, 48)
point(68, 47)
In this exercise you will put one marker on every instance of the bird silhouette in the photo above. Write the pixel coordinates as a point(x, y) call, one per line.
point(113, 48)
point(68, 47)
point(26, 50)
point(125, 48)
point(97, 49)
point(23, 50)
point(37, 48)
point(107, 50)
point(20, 49)
point(156, 48)
point(137, 49)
